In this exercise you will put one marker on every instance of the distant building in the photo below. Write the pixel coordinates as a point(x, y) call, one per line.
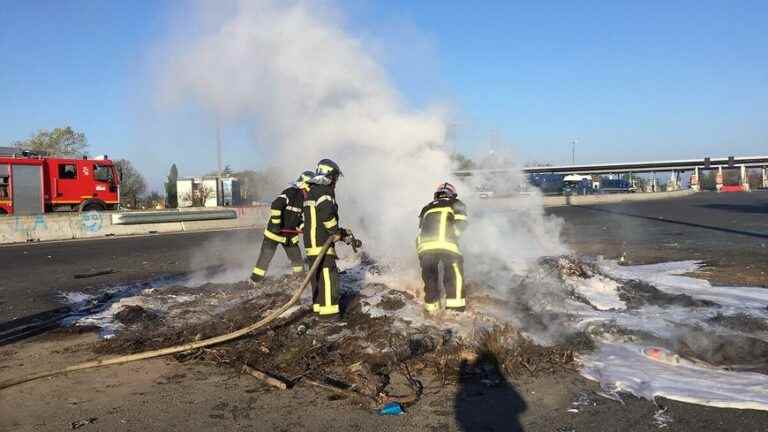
point(208, 191)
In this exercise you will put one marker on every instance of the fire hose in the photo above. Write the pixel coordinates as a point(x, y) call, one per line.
point(188, 346)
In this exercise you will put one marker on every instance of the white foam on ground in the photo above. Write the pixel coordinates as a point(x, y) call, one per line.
point(76, 297)
point(601, 292)
point(668, 277)
point(624, 367)
point(105, 319)
point(619, 364)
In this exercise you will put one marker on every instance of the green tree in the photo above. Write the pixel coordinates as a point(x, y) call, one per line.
point(132, 183)
point(171, 194)
point(58, 142)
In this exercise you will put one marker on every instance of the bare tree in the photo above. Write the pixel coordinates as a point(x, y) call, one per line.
point(132, 183)
point(59, 142)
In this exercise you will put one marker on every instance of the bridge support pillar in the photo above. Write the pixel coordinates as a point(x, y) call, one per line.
point(654, 183)
point(744, 179)
point(674, 181)
point(695, 185)
point(719, 178)
point(765, 177)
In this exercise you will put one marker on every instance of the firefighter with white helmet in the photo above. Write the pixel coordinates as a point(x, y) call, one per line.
point(321, 221)
point(441, 223)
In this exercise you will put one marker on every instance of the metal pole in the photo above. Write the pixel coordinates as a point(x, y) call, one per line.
point(573, 152)
point(218, 148)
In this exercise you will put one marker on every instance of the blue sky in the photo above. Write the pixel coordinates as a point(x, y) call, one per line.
point(629, 80)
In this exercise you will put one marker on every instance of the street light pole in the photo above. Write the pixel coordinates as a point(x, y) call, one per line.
point(218, 149)
point(573, 152)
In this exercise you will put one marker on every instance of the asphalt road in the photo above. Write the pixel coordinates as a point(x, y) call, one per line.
point(34, 275)
point(729, 231)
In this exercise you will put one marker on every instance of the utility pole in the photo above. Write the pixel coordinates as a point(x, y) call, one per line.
point(218, 148)
point(573, 152)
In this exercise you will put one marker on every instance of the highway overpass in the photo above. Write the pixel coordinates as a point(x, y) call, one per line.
point(676, 167)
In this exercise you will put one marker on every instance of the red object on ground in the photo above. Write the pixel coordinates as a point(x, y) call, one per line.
point(732, 188)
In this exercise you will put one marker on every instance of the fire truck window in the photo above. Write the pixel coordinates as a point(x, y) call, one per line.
point(67, 171)
point(3, 187)
point(102, 173)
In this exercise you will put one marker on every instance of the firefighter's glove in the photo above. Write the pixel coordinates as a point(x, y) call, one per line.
point(349, 238)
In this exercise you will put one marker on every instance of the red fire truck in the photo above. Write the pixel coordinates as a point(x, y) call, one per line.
point(32, 184)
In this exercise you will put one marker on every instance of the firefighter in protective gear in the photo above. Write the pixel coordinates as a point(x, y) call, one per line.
point(283, 228)
point(441, 224)
point(321, 221)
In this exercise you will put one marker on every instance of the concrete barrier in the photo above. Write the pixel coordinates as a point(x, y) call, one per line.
point(556, 201)
point(67, 226)
point(500, 204)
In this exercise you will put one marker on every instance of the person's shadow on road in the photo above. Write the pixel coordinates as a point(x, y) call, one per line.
point(486, 401)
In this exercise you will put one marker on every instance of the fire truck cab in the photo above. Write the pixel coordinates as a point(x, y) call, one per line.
point(34, 184)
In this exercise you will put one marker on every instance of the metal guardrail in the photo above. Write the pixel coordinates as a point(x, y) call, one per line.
point(133, 218)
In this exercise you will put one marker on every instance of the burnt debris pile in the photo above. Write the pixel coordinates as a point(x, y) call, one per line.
point(369, 356)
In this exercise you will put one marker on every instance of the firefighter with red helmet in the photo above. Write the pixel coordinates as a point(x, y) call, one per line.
point(321, 221)
point(441, 224)
point(283, 228)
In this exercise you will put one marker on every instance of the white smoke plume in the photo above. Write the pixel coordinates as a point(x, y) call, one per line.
point(311, 90)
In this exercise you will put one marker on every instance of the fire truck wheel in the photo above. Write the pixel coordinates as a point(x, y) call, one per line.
point(92, 206)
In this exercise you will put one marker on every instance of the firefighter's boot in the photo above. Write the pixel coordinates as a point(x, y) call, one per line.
point(257, 276)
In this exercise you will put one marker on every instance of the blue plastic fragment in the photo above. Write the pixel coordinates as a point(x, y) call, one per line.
point(392, 408)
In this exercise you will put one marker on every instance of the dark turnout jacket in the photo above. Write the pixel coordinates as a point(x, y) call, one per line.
point(441, 223)
point(321, 218)
point(285, 216)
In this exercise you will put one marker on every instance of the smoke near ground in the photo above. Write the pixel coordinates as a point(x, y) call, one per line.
point(309, 89)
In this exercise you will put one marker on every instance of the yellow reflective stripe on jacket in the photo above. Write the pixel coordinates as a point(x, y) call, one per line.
point(295, 239)
point(441, 242)
point(313, 227)
point(275, 212)
point(323, 198)
point(259, 272)
point(272, 236)
point(275, 221)
point(432, 307)
point(325, 169)
point(331, 223)
point(293, 209)
point(443, 225)
point(315, 251)
point(439, 210)
point(460, 217)
point(297, 269)
point(438, 245)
